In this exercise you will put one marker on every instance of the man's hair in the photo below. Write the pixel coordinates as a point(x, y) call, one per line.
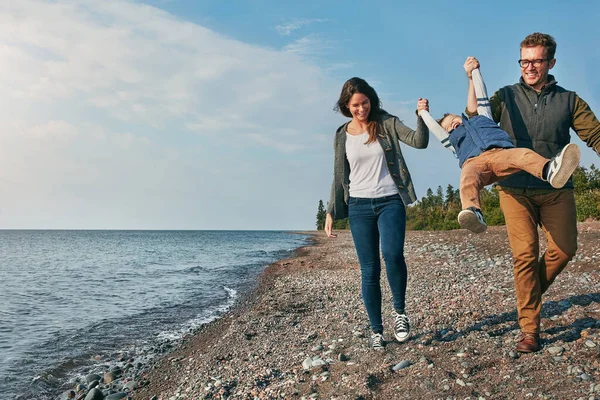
point(541, 39)
point(439, 121)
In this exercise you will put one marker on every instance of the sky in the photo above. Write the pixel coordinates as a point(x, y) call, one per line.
point(193, 114)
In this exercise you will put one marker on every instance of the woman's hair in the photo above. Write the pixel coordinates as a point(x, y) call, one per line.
point(358, 85)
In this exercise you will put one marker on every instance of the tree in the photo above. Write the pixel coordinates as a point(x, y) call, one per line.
point(490, 206)
point(451, 196)
point(439, 197)
point(321, 215)
point(587, 192)
point(341, 224)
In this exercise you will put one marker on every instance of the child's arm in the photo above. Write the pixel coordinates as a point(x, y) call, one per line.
point(478, 102)
point(437, 130)
point(470, 65)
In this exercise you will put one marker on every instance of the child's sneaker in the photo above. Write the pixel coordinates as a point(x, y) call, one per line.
point(562, 166)
point(377, 341)
point(472, 219)
point(401, 327)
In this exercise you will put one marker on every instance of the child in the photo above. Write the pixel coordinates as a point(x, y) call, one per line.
point(486, 155)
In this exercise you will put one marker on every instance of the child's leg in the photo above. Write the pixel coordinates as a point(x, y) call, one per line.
point(508, 161)
point(471, 181)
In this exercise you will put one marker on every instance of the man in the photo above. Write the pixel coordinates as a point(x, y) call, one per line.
point(537, 114)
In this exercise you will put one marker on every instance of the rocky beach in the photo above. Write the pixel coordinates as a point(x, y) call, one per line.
point(302, 333)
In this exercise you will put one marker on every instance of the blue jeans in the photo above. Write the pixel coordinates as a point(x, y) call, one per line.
point(370, 220)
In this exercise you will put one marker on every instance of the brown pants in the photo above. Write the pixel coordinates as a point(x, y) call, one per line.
point(493, 165)
point(524, 210)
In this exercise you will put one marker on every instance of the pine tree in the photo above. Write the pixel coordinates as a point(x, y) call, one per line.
point(321, 215)
point(450, 195)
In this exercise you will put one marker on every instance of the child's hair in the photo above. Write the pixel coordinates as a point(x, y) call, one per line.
point(439, 121)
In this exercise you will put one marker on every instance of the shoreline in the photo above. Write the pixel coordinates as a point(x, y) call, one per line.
point(116, 372)
point(301, 332)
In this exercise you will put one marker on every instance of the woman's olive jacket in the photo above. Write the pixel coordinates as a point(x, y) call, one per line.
point(393, 132)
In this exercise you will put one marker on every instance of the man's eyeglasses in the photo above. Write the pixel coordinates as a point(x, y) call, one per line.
point(536, 63)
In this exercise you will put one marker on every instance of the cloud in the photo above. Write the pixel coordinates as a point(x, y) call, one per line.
point(310, 45)
point(116, 114)
point(137, 64)
point(340, 66)
point(287, 28)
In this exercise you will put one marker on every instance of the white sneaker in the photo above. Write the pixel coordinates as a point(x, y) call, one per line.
point(472, 219)
point(562, 166)
point(377, 341)
point(401, 327)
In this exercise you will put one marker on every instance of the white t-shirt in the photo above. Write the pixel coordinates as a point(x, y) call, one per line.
point(369, 175)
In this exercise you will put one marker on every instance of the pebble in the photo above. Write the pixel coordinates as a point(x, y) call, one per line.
point(589, 343)
point(307, 363)
point(92, 377)
point(401, 365)
point(513, 354)
point(116, 396)
point(564, 303)
point(109, 377)
point(555, 350)
point(318, 362)
point(460, 382)
point(94, 394)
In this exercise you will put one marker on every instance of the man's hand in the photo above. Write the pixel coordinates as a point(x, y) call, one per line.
point(329, 226)
point(470, 65)
point(422, 104)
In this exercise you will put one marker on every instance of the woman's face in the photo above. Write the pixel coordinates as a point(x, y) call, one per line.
point(359, 106)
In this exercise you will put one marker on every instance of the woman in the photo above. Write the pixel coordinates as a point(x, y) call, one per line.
point(372, 187)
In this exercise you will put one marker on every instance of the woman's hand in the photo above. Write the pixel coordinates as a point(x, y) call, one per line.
point(329, 226)
point(470, 65)
point(422, 104)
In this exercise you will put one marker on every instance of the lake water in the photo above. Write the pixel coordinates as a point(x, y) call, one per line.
point(69, 298)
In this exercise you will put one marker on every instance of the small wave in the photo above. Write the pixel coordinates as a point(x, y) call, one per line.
point(197, 269)
point(205, 317)
point(232, 292)
point(256, 253)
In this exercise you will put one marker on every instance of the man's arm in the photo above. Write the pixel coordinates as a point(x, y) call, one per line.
point(586, 124)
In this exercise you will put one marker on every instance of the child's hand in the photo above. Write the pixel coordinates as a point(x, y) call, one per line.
point(470, 65)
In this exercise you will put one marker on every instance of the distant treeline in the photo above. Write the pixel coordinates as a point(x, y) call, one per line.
point(439, 210)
